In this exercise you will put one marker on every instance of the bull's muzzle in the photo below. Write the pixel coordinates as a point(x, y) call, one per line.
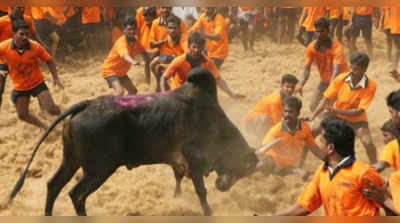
point(225, 182)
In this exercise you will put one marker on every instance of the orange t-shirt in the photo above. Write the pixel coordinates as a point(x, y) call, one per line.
point(271, 106)
point(327, 59)
point(159, 31)
point(115, 64)
point(181, 66)
point(59, 13)
point(38, 12)
point(91, 15)
point(363, 11)
point(4, 9)
point(24, 68)
point(175, 50)
point(391, 154)
point(348, 98)
point(334, 12)
point(341, 195)
point(386, 17)
point(287, 153)
point(313, 14)
point(215, 48)
point(395, 20)
point(346, 13)
point(247, 8)
point(145, 36)
point(116, 33)
point(394, 185)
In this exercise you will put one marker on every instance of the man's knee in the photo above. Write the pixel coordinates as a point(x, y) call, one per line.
point(54, 110)
point(55, 37)
point(23, 115)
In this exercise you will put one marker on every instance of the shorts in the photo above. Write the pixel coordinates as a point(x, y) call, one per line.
point(4, 67)
point(111, 79)
point(362, 24)
point(44, 28)
point(322, 86)
point(3, 13)
point(396, 40)
point(354, 125)
point(334, 22)
point(387, 32)
point(345, 22)
point(90, 28)
point(218, 62)
point(167, 59)
point(32, 92)
point(289, 12)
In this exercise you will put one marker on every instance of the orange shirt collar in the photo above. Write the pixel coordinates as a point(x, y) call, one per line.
point(346, 162)
point(285, 127)
point(362, 84)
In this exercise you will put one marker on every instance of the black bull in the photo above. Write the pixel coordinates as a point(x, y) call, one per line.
point(185, 128)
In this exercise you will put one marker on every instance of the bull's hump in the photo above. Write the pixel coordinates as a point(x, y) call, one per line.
point(135, 101)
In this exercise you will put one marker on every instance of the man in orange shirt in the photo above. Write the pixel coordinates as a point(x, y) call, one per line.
point(384, 26)
point(212, 25)
point(395, 32)
point(120, 59)
point(174, 46)
point(22, 57)
point(328, 53)
point(91, 19)
point(288, 155)
point(335, 15)
point(309, 17)
point(6, 32)
point(181, 66)
point(361, 21)
point(390, 156)
point(287, 17)
point(269, 111)
point(337, 183)
point(354, 92)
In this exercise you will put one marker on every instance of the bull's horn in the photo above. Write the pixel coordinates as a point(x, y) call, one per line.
point(268, 146)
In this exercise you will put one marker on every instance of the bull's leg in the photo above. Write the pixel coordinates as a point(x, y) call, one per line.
point(201, 191)
point(178, 178)
point(89, 183)
point(64, 174)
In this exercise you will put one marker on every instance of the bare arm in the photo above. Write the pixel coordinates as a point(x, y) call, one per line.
point(156, 44)
point(295, 210)
point(324, 102)
point(336, 70)
point(130, 60)
point(304, 79)
point(212, 36)
point(303, 16)
point(163, 82)
point(53, 71)
point(350, 112)
point(224, 87)
point(380, 166)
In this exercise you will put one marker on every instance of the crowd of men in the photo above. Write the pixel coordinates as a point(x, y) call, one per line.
point(174, 40)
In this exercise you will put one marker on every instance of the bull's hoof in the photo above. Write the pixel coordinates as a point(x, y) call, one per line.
point(208, 211)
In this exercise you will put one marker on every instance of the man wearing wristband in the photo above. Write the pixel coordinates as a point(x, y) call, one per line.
point(329, 56)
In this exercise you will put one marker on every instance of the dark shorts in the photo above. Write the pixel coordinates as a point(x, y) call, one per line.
point(287, 12)
point(345, 22)
point(362, 24)
point(334, 22)
point(165, 58)
point(218, 62)
point(322, 86)
point(32, 92)
point(309, 36)
point(354, 125)
point(44, 28)
point(4, 67)
point(387, 32)
point(113, 78)
point(396, 40)
point(90, 28)
point(250, 20)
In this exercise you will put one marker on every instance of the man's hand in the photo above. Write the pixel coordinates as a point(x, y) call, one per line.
point(3, 73)
point(330, 111)
point(58, 83)
point(306, 119)
point(374, 192)
point(238, 96)
point(395, 75)
point(299, 90)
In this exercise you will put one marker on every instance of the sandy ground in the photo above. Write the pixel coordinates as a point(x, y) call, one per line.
point(149, 190)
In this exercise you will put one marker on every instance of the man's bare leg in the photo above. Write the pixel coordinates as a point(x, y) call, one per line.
point(366, 140)
point(46, 102)
point(55, 40)
point(22, 107)
point(2, 87)
point(116, 85)
point(130, 87)
point(315, 99)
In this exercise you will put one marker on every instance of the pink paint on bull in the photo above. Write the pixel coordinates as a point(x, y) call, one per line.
point(139, 100)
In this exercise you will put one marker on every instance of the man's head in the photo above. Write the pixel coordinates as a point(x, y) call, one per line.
point(210, 11)
point(393, 103)
point(337, 137)
point(18, 12)
point(196, 45)
point(322, 29)
point(359, 64)
point(165, 11)
point(21, 32)
point(130, 27)
point(288, 84)
point(149, 14)
point(173, 26)
point(389, 131)
point(291, 108)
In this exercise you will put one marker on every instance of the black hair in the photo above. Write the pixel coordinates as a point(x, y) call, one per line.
point(340, 134)
point(130, 21)
point(360, 59)
point(393, 100)
point(322, 22)
point(198, 38)
point(150, 11)
point(289, 78)
point(174, 19)
point(19, 24)
point(389, 126)
point(293, 102)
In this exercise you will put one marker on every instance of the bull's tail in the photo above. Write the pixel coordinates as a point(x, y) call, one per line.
point(71, 111)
